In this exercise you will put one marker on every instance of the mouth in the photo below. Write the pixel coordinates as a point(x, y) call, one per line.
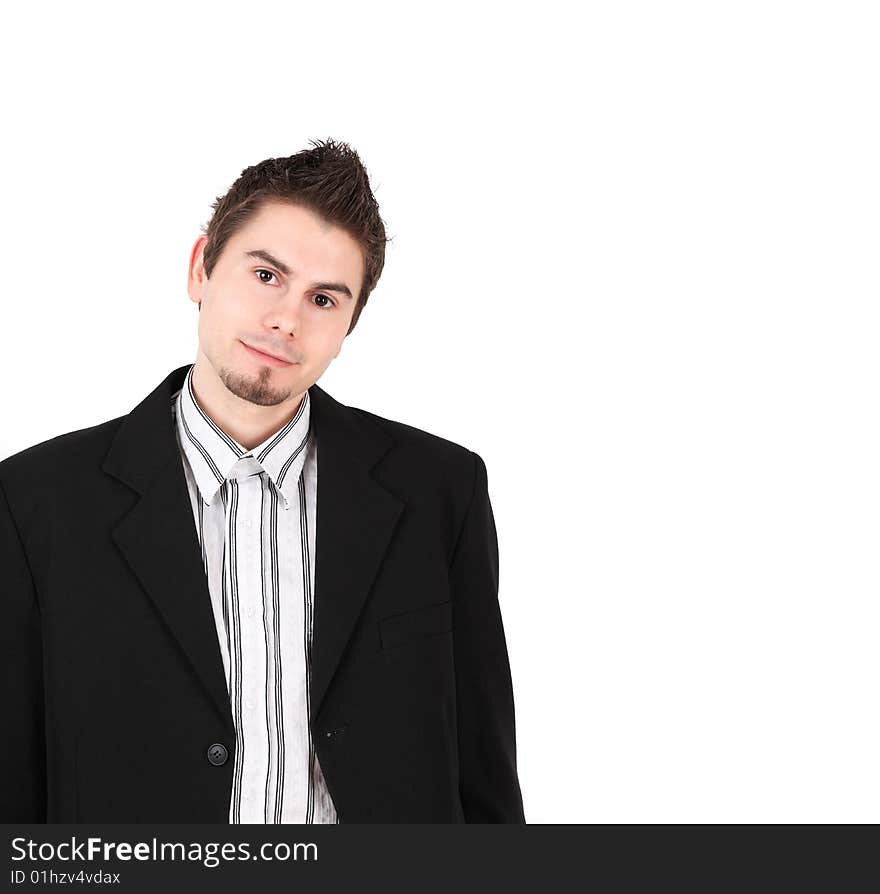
point(267, 359)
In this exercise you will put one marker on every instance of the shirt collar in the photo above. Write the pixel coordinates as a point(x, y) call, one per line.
point(215, 456)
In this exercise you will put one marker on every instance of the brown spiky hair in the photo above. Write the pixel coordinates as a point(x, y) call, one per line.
point(327, 179)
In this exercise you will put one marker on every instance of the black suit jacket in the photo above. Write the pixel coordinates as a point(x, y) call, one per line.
point(114, 690)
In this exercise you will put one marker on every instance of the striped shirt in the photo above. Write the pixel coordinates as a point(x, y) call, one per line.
point(255, 513)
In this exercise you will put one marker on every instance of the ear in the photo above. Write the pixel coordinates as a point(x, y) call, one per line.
point(196, 278)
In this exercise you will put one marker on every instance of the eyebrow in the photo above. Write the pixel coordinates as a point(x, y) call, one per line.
point(264, 255)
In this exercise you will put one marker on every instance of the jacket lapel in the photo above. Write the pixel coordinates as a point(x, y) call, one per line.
point(356, 517)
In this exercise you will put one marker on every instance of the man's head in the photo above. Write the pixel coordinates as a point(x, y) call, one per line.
point(286, 265)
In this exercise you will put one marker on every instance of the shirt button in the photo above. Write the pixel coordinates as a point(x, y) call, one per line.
point(250, 706)
point(217, 754)
point(250, 611)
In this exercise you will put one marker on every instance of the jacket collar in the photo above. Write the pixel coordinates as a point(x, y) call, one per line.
point(155, 533)
point(214, 456)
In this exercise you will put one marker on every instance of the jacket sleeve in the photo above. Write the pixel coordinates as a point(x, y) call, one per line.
point(488, 782)
point(22, 745)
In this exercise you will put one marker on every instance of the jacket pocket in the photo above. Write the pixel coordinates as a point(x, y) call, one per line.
point(396, 630)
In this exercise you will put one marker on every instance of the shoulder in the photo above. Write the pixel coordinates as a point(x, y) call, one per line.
point(426, 455)
point(415, 439)
point(70, 452)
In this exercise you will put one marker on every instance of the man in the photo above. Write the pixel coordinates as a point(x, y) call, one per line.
point(244, 601)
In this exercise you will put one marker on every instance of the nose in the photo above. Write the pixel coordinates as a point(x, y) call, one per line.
point(284, 318)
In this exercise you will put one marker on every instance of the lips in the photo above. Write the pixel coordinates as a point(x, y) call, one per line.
point(269, 354)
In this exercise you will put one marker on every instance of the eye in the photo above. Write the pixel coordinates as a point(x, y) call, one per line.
point(268, 272)
point(322, 295)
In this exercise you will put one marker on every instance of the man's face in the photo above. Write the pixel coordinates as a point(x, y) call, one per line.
point(279, 286)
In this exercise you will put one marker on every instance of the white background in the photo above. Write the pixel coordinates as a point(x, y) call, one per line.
point(634, 266)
